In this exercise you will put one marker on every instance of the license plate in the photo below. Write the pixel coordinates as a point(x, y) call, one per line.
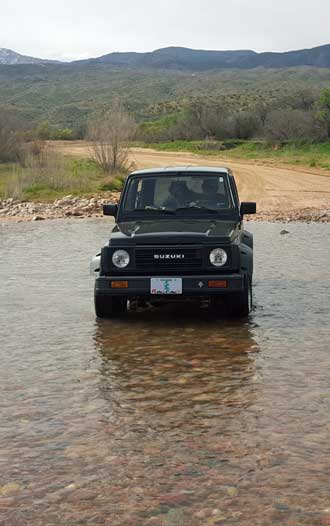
point(166, 286)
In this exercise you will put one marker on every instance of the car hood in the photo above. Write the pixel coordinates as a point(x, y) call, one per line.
point(174, 232)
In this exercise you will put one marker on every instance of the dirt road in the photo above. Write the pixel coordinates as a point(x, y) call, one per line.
point(274, 188)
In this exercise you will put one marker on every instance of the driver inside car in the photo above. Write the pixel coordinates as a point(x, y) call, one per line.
point(179, 195)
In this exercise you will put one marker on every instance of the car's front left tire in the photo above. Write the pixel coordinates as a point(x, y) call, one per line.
point(239, 304)
point(109, 306)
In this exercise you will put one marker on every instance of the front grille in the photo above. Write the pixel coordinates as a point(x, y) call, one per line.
point(168, 258)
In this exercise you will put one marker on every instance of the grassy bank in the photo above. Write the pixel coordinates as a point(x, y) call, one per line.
point(312, 155)
point(54, 177)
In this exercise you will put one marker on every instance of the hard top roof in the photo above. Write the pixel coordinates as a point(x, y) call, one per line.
point(182, 169)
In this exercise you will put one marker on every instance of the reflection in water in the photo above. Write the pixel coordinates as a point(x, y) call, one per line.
point(179, 374)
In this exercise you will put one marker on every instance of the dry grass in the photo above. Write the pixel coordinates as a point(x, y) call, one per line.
point(47, 173)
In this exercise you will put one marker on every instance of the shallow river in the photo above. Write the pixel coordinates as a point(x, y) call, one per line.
point(166, 418)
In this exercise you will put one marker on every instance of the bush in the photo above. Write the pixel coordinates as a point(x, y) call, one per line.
point(115, 184)
point(160, 130)
point(10, 141)
point(44, 131)
point(214, 146)
point(293, 125)
point(245, 125)
point(63, 134)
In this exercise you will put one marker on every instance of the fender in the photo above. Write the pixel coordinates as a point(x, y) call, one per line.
point(246, 252)
point(94, 268)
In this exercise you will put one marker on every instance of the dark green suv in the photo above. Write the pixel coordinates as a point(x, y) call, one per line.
point(178, 236)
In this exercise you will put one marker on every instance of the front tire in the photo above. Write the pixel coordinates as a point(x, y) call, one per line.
point(109, 306)
point(240, 303)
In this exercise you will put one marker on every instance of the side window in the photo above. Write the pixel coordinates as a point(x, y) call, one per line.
point(133, 194)
point(233, 186)
point(140, 193)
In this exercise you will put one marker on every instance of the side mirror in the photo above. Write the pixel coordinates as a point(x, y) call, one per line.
point(110, 210)
point(248, 208)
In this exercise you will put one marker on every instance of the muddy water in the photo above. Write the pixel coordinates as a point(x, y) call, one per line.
point(167, 418)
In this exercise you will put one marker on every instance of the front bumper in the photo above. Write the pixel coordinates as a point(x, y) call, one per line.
point(139, 286)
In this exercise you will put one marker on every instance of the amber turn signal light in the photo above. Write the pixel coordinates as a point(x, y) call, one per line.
point(119, 284)
point(218, 284)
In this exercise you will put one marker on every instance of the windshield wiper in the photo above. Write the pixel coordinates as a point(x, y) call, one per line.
point(197, 207)
point(151, 209)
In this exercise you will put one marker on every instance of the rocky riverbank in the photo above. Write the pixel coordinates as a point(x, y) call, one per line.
point(301, 215)
point(80, 207)
point(68, 206)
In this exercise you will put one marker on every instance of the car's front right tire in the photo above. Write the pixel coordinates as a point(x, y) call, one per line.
point(109, 306)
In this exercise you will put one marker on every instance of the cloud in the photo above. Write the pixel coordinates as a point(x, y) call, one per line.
point(80, 29)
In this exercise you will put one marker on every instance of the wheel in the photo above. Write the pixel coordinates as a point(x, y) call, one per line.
point(240, 303)
point(109, 307)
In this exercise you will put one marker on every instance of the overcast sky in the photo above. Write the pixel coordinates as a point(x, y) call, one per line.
point(74, 29)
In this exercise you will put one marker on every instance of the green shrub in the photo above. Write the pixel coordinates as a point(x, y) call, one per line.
point(116, 184)
point(63, 134)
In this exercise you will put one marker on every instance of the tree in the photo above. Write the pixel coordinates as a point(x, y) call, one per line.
point(44, 131)
point(245, 125)
point(324, 110)
point(110, 131)
point(285, 125)
point(10, 140)
point(261, 110)
point(304, 100)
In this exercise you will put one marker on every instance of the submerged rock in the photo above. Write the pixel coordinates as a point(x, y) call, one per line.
point(10, 489)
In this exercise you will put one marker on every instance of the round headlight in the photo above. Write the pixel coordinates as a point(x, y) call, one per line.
point(218, 257)
point(120, 258)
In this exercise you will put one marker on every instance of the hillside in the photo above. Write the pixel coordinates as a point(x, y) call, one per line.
point(65, 93)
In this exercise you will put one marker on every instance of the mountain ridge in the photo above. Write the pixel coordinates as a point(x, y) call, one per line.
point(182, 58)
point(8, 57)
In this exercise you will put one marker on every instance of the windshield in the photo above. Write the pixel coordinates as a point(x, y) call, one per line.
point(175, 193)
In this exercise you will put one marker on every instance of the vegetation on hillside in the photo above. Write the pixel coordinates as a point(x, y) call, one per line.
point(301, 115)
point(64, 95)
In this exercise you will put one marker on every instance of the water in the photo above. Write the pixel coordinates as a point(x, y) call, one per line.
point(167, 418)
